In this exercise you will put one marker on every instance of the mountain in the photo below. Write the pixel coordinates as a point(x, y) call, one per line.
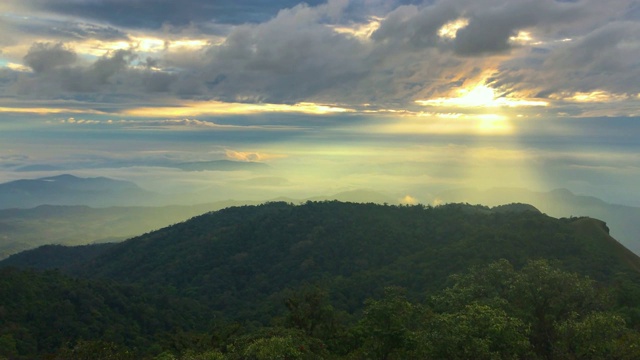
point(56, 256)
point(624, 221)
point(252, 253)
point(23, 229)
point(249, 264)
point(70, 190)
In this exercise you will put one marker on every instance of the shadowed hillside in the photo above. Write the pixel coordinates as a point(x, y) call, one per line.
point(303, 274)
point(624, 221)
point(246, 255)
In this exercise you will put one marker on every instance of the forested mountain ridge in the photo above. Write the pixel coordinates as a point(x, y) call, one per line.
point(623, 220)
point(23, 229)
point(316, 235)
point(255, 265)
point(349, 239)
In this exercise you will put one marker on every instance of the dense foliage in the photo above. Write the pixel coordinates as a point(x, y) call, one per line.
point(42, 312)
point(337, 280)
point(240, 259)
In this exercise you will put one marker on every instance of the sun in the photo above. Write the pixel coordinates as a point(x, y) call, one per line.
point(480, 96)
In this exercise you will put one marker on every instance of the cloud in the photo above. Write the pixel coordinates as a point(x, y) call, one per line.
point(289, 53)
point(156, 13)
point(491, 27)
point(44, 58)
point(290, 58)
point(599, 62)
point(416, 27)
point(251, 156)
point(186, 124)
point(64, 29)
point(409, 200)
point(55, 70)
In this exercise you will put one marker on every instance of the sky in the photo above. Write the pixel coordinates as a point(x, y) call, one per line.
point(404, 97)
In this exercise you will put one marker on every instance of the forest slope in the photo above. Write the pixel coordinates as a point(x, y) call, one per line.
point(239, 259)
point(300, 279)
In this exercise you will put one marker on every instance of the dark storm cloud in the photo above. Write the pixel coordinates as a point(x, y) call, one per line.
point(297, 55)
point(54, 69)
point(47, 57)
point(287, 59)
point(416, 28)
point(63, 29)
point(604, 59)
point(490, 28)
point(156, 13)
point(491, 24)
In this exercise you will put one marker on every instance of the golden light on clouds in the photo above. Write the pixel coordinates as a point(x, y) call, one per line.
point(251, 155)
point(479, 96)
point(46, 110)
point(450, 29)
point(221, 108)
point(18, 67)
point(98, 48)
point(360, 31)
point(523, 37)
point(597, 96)
point(145, 44)
point(193, 108)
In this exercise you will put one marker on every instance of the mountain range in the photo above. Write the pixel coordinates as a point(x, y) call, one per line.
point(70, 190)
point(70, 210)
point(241, 265)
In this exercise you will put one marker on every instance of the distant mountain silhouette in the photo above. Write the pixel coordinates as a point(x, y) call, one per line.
point(70, 190)
point(38, 167)
point(23, 229)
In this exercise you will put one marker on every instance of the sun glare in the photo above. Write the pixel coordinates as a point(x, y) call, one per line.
point(480, 96)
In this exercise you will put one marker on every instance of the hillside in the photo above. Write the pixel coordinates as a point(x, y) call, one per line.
point(252, 253)
point(306, 274)
point(624, 221)
point(43, 312)
point(23, 229)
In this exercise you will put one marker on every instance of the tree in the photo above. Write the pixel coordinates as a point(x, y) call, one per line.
point(96, 350)
point(387, 326)
point(475, 332)
point(309, 310)
point(8, 346)
point(277, 347)
point(599, 335)
point(540, 295)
